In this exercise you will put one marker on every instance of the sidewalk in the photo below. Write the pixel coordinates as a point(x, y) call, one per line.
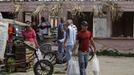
point(108, 66)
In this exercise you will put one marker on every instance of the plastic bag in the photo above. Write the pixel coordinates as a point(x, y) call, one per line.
point(40, 57)
point(73, 67)
point(95, 65)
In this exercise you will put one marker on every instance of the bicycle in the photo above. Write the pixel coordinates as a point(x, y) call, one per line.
point(41, 67)
point(52, 54)
point(45, 48)
point(53, 57)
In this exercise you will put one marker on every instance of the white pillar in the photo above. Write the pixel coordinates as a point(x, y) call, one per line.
point(109, 25)
point(1, 16)
point(133, 26)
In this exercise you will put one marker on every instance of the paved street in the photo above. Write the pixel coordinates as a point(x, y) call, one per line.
point(108, 65)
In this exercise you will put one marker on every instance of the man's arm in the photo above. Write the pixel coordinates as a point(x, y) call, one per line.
point(65, 42)
point(62, 28)
point(66, 36)
point(92, 43)
point(75, 47)
point(35, 40)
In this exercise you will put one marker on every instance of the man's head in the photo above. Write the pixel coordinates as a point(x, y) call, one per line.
point(68, 22)
point(29, 25)
point(61, 20)
point(84, 25)
point(43, 19)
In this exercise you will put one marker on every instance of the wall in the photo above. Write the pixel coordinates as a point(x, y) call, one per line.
point(100, 27)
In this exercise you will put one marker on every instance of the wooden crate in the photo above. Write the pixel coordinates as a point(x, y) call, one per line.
point(20, 56)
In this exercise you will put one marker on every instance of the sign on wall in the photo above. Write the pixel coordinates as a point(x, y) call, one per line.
point(99, 27)
point(3, 38)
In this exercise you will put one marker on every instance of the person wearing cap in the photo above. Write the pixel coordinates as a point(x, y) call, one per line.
point(29, 36)
point(83, 40)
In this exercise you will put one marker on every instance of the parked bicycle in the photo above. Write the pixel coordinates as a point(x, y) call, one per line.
point(45, 48)
point(41, 67)
point(53, 55)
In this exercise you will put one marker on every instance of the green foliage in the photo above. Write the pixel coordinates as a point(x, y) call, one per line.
point(11, 65)
point(113, 52)
point(53, 31)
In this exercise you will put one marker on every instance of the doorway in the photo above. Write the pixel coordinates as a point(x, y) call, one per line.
point(86, 16)
point(124, 26)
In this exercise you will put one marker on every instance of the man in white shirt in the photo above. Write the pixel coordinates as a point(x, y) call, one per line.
point(70, 38)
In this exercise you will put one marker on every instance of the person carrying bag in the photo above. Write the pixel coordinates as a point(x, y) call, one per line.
point(84, 40)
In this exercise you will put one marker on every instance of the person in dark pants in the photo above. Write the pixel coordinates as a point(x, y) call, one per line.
point(84, 39)
point(60, 37)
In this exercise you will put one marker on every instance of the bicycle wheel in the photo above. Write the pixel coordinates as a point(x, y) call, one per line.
point(91, 54)
point(45, 48)
point(50, 56)
point(43, 67)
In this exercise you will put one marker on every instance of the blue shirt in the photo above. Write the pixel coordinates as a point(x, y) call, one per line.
point(60, 32)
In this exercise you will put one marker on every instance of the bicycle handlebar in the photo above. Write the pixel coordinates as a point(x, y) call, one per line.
point(18, 41)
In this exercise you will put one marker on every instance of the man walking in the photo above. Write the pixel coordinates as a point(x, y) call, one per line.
point(84, 39)
point(60, 37)
point(70, 38)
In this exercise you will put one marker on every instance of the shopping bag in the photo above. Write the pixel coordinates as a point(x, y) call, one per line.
point(95, 65)
point(39, 54)
point(73, 67)
point(40, 57)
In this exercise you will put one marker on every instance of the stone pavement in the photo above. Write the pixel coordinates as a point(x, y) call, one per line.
point(108, 66)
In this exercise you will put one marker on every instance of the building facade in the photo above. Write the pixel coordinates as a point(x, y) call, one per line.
point(114, 34)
